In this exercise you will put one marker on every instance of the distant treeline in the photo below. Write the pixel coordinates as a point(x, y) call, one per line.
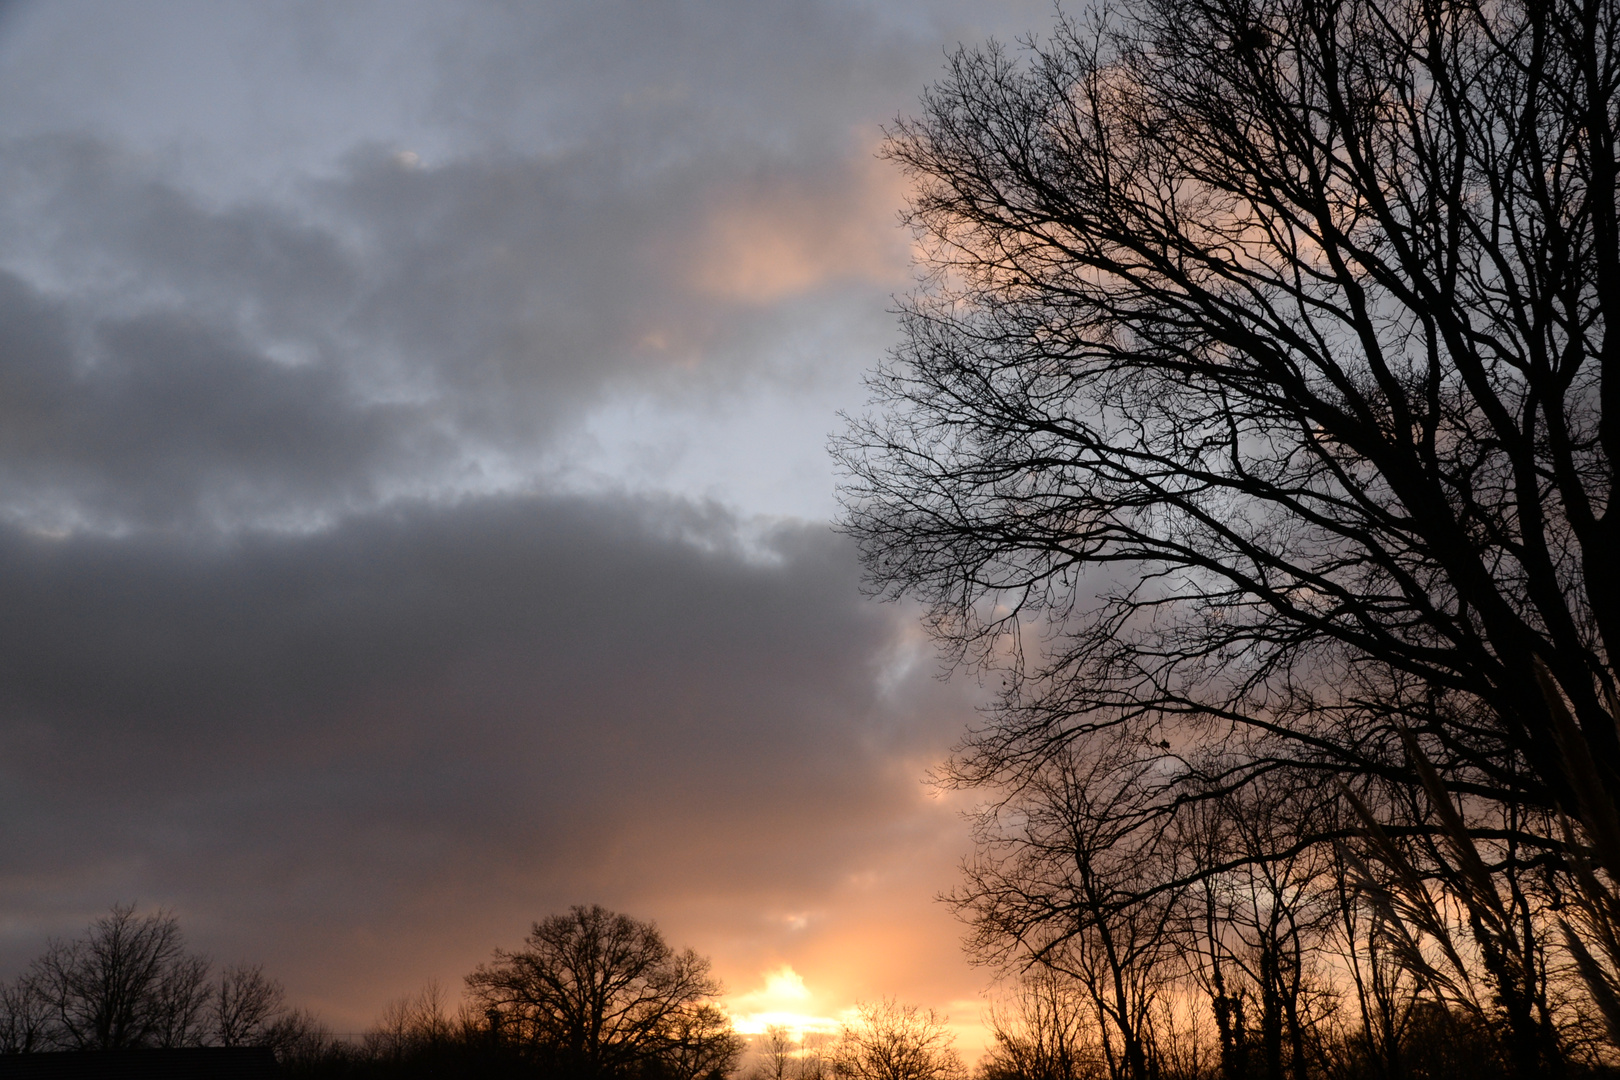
point(590, 995)
point(1249, 989)
point(130, 983)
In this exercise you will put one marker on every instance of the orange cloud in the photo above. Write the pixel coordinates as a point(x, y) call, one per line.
point(781, 235)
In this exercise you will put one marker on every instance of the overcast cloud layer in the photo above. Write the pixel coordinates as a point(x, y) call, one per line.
point(413, 509)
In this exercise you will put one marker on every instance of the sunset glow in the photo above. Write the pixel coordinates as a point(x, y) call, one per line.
point(782, 1002)
point(810, 539)
point(418, 499)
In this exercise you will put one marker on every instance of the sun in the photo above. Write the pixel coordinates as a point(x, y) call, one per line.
point(783, 1001)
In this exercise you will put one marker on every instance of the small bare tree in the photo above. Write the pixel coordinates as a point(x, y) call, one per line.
point(412, 1023)
point(814, 1049)
point(594, 993)
point(1044, 1030)
point(701, 1046)
point(891, 1041)
point(128, 982)
point(773, 1053)
point(246, 1006)
point(25, 1017)
point(301, 1041)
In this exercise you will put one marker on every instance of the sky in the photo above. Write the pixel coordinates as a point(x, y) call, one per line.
point(415, 512)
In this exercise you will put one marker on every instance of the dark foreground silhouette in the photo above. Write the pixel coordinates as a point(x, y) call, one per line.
point(183, 1063)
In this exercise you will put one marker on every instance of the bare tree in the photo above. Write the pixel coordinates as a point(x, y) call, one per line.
point(1043, 1031)
point(1069, 878)
point(1236, 299)
point(410, 1025)
point(25, 1017)
point(246, 1006)
point(1257, 414)
point(182, 1002)
point(701, 1046)
point(128, 982)
point(301, 1041)
point(1259, 920)
point(774, 1052)
point(598, 994)
point(814, 1050)
point(891, 1041)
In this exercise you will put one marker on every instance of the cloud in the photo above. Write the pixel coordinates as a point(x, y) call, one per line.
point(775, 234)
point(447, 721)
point(410, 332)
point(488, 224)
point(160, 418)
point(307, 315)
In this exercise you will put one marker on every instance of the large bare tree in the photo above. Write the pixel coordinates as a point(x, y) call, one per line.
point(128, 982)
point(1257, 414)
point(595, 994)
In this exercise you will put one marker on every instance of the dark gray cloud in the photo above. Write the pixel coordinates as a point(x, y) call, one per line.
point(162, 419)
point(301, 306)
point(434, 718)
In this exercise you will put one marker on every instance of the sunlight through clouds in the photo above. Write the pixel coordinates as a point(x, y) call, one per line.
point(783, 1001)
point(415, 513)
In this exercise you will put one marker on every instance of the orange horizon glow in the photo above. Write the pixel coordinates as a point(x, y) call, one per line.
point(785, 1001)
point(782, 1002)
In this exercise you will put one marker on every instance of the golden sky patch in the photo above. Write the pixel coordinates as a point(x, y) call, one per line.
point(780, 236)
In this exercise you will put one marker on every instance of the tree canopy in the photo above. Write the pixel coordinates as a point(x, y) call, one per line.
point(1256, 421)
point(1264, 351)
point(597, 994)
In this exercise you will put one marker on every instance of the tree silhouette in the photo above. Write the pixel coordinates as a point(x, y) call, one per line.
point(1257, 421)
point(598, 994)
point(890, 1041)
point(129, 982)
